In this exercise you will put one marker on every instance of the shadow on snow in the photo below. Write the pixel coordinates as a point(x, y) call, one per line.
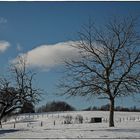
point(8, 131)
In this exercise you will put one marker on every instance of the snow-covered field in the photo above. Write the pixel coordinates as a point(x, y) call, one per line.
point(51, 125)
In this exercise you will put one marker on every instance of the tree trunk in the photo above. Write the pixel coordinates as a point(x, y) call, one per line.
point(111, 116)
point(0, 124)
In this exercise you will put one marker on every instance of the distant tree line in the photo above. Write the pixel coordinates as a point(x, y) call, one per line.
point(117, 108)
point(64, 106)
point(28, 107)
point(55, 106)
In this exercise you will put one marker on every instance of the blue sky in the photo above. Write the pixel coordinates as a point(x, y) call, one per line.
point(40, 28)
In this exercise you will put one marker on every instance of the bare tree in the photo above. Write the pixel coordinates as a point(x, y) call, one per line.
point(24, 79)
point(108, 64)
point(20, 90)
point(8, 99)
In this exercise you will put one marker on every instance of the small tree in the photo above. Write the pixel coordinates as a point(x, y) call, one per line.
point(68, 119)
point(108, 65)
point(79, 119)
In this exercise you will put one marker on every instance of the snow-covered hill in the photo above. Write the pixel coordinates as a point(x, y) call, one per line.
point(52, 125)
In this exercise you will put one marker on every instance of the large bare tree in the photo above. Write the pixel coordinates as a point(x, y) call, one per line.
point(20, 90)
point(108, 65)
point(7, 98)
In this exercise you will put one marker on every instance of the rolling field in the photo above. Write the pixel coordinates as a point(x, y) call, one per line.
point(54, 126)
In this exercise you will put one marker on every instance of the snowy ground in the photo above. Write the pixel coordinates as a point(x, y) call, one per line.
point(127, 126)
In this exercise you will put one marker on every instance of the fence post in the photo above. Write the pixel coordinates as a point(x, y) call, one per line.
point(14, 125)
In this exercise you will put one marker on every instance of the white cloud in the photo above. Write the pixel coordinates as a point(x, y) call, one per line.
point(4, 45)
point(48, 56)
